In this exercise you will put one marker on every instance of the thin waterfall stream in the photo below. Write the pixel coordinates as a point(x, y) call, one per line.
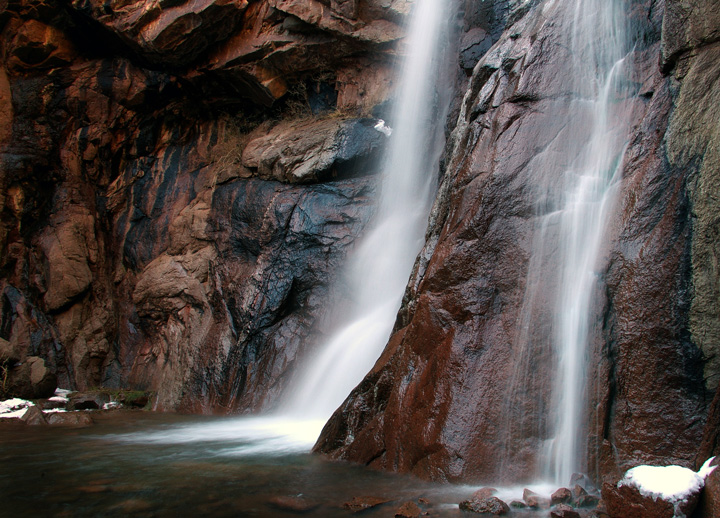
point(599, 49)
point(577, 189)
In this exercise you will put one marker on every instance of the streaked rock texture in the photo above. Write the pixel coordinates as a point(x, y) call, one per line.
point(455, 395)
point(152, 231)
point(181, 180)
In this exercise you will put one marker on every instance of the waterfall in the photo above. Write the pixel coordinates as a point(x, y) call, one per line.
point(599, 47)
point(379, 268)
point(576, 188)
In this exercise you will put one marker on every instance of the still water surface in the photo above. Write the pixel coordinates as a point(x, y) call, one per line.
point(133, 463)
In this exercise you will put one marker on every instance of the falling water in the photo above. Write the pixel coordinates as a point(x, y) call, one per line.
point(380, 266)
point(598, 48)
point(576, 181)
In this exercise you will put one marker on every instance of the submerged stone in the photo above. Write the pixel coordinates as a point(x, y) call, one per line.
point(362, 503)
point(295, 504)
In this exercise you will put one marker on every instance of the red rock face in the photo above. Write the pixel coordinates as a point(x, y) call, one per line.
point(156, 234)
point(141, 245)
point(459, 394)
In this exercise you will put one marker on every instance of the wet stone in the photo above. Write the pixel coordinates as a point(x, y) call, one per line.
point(564, 511)
point(34, 416)
point(483, 492)
point(587, 501)
point(518, 504)
point(561, 496)
point(294, 504)
point(535, 501)
point(362, 503)
point(408, 510)
point(582, 480)
point(74, 419)
point(491, 505)
point(579, 491)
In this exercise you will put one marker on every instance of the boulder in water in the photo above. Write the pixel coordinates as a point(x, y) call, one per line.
point(408, 510)
point(587, 501)
point(561, 496)
point(491, 505)
point(535, 501)
point(362, 503)
point(578, 491)
point(564, 511)
point(34, 416)
point(69, 419)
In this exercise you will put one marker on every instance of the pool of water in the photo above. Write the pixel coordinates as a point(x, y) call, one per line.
point(145, 464)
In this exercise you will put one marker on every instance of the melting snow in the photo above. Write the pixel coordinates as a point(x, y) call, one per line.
point(14, 407)
point(673, 484)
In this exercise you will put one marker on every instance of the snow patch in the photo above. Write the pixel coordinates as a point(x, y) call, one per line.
point(382, 128)
point(673, 484)
point(14, 407)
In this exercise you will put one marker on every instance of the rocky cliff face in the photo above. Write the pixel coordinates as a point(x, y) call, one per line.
point(180, 183)
point(458, 394)
point(181, 180)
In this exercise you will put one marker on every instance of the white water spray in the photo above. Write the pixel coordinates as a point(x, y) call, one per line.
point(380, 267)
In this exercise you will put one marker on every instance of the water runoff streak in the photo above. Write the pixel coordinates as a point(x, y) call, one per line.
point(599, 48)
point(378, 271)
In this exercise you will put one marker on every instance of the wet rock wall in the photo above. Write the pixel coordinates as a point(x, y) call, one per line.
point(180, 184)
point(462, 391)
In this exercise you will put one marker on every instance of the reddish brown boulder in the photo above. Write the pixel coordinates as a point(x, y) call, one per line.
point(483, 492)
point(408, 510)
point(535, 501)
point(564, 511)
point(490, 505)
point(69, 419)
point(362, 503)
point(31, 379)
point(33, 416)
point(627, 502)
point(561, 496)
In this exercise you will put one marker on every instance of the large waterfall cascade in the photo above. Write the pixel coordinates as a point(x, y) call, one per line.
point(379, 268)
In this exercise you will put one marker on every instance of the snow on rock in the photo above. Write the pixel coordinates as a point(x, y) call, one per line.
point(14, 407)
point(383, 128)
point(656, 492)
point(671, 483)
point(61, 396)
